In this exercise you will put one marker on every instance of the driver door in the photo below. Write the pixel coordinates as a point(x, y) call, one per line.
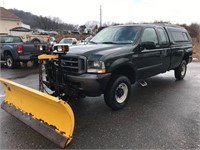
point(149, 61)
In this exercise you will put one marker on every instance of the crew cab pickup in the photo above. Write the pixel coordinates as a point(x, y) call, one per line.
point(119, 56)
point(13, 50)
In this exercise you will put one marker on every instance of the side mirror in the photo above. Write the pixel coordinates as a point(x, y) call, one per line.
point(148, 45)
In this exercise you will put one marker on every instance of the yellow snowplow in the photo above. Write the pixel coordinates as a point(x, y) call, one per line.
point(48, 115)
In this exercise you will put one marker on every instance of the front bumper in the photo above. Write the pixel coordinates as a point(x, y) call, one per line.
point(86, 84)
point(89, 84)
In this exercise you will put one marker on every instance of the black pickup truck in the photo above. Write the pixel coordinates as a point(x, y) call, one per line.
point(119, 56)
point(13, 50)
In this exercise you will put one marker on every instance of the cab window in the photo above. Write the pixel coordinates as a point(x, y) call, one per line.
point(149, 35)
point(163, 37)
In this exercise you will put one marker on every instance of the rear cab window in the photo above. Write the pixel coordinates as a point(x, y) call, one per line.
point(179, 35)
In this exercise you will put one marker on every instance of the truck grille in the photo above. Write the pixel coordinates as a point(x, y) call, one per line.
point(73, 64)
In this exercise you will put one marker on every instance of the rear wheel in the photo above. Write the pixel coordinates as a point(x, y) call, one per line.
point(35, 40)
point(23, 63)
point(118, 92)
point(35, 63)
point(10, 62)
point(181, 70)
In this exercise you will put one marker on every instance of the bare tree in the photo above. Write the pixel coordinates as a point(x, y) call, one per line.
point(91, 24)
point(108, 23)
point(193, 29)
point(43, 22)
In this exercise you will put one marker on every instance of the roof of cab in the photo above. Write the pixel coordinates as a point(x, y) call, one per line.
point(154, 25)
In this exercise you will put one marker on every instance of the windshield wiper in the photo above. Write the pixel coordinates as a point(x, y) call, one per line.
point(109, 42)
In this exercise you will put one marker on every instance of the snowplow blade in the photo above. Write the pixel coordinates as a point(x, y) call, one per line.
point(48, 115)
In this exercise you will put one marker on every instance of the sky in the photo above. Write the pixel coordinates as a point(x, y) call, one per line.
point(118, 11)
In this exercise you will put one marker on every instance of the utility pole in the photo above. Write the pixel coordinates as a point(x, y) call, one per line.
point(100, 16)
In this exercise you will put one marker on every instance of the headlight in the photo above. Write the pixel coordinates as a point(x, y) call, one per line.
point(96, 67)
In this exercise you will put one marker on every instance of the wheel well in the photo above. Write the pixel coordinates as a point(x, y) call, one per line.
point(186, 58)
point(127, 71)
point(35, 40)
point(7, 53)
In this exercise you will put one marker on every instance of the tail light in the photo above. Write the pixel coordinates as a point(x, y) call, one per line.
point(19, 48)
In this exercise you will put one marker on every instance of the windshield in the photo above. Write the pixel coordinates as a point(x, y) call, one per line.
point(117, 35)
point(66, 41)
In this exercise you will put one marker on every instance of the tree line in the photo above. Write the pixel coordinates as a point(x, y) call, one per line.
point(56, 24)
point(42, 22)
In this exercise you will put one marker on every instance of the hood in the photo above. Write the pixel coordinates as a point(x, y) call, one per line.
point(97, 50)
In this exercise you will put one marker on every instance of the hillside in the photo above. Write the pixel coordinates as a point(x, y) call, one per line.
point(41, 22)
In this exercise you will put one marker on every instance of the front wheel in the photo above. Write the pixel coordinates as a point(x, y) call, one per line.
point(181, 70)
point(118, 92)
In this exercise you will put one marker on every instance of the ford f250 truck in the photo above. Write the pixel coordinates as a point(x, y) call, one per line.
point(117, 57)
point(13, 50)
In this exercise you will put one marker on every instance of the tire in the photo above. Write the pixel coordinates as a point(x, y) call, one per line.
point(181, 70)
point(10, 62)
point(23, 63)
point(35, 40)
point(35, 63)
point(118, 92)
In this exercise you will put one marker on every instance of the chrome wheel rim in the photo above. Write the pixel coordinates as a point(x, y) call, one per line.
point(9, 62)
point(121, 93)
point(183, 69)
